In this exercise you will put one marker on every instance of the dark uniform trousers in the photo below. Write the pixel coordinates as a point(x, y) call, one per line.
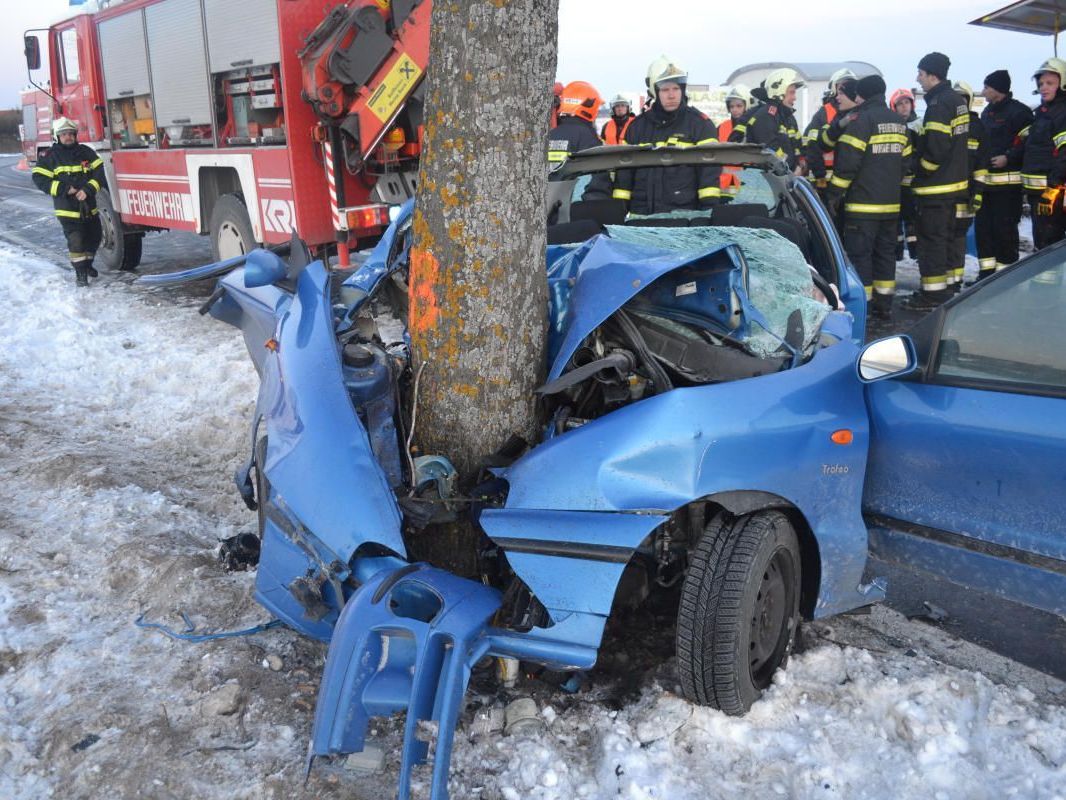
point(1046, 230)
point(936, 229)
point(907, 227)
point(83, 238)
point(996, 227)
point(871, 245)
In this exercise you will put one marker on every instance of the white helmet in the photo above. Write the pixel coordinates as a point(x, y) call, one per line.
point(655, 68)
point(963, 88)
point(1056, 65)
point(739, 91)
point(670, 73)
point(842, 74)
point(778, 81)
point(61, 125)
point(619, 99)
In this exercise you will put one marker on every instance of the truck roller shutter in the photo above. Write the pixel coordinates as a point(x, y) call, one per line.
point(124, 56)
point(245, 39)
point(179, 63)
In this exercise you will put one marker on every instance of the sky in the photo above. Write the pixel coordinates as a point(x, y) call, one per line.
point(611, 42)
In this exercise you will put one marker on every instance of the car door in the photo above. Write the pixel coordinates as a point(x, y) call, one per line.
point(967, 466)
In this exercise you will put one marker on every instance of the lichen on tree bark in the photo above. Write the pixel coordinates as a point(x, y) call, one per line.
point(478, 293)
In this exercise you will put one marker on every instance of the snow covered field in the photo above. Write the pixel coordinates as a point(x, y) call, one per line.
point(121, 421)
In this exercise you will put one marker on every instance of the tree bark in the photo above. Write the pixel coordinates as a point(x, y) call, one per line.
point(478, 293)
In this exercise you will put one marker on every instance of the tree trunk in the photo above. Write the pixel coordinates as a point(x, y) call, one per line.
point(478, 310)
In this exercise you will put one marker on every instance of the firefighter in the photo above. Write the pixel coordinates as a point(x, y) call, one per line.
point(773, 124)
point(72, 174)
point(996, 226)
point(670, 121)
point(941, 179)
point(614, 130)
point(1044, 154)
point(902, 102)
point(557, 90)
point(579, 103)
point(655, 69)
point(737, 101)
point(870, 146)
point(839, 96)
point(966, 209)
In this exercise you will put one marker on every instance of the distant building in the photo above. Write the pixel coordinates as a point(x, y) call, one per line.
point(815, 74)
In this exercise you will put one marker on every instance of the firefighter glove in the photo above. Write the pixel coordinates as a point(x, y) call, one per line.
point(821, 183)
point(1050, 202)
point(975, 203)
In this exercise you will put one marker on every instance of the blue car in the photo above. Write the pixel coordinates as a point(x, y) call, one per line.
point(710, 419)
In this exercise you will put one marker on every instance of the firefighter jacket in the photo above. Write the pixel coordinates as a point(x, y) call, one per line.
point(614, 130)
point(870, 153)
point(1043, 146)
point(652, 190)
point(63, 168)
point(942, 171)
point(570, 136)
point(819, 160)
point(773, 125)
point(977, 147)
point(910, 162)
point(1003, 122)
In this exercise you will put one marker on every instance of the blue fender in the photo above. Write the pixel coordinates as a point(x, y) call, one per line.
point(312, 429)
point(770, 434)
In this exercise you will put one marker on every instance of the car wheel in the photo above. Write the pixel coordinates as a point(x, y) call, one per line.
point(231, 228)
point(118, 249)
point(739, 609)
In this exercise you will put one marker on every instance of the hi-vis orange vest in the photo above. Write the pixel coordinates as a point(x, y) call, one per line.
point(611, 134)
point(830, 115)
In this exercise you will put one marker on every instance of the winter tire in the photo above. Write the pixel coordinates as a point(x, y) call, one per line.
point(231, 228)
point(739, 609)
point(118, 249)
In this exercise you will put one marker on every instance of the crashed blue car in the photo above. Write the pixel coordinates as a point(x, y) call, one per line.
point(709, 418)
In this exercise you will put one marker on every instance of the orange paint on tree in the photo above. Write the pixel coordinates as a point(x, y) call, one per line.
point(424, 310)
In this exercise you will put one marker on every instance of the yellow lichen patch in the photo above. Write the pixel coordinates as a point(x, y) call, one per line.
point(455, 231)
point(467, 390)
point(449, 197)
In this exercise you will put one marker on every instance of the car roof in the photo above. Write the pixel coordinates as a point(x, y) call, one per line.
point(610, 157)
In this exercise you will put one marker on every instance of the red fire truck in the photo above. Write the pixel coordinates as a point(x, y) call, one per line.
point(35, 130)
point(247, 121)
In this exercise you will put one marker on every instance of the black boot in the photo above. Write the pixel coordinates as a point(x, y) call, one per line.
point(926, 301)
point(81, 276)
point(90, 270)
point(881, 306)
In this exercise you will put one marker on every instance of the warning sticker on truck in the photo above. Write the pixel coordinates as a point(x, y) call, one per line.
point(394, 88)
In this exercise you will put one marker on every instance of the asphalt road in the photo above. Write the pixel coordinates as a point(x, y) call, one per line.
point(1030, 637)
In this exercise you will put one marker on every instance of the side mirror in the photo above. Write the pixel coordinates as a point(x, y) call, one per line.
point(262, 268)
point(887, 358)
point(32, 49)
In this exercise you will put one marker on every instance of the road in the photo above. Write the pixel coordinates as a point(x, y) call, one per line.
point(1030, 637)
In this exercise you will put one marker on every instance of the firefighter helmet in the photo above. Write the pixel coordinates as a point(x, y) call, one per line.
point(963, 88)
point(655, 69)
point(778, 81)
point(62, 125)
point(838, 77)
point(901, 94)
point(739, 91)
point(1056, 65)
point(620, 100)
point(671, 73)
point(580, 99)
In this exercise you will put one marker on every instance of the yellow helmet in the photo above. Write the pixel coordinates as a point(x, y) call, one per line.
point(671, 72)
point(778, 81)
point(655, 68)
point(1056, 65)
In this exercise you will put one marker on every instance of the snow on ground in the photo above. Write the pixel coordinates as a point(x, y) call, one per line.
point(121, 421)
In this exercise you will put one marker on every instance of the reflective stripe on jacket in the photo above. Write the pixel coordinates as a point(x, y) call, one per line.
point(942, 170)
point(1042, 146)
point(869, 160)
point(1002, 122)
point(774, 125)
point(61, 169)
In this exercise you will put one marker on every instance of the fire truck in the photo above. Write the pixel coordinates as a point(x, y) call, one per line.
point(35, 130)
point(249, 121)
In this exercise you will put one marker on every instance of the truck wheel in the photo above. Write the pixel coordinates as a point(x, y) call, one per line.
point(739, 610)
point(113, 240)
point(231, 228)
point(132, 249)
